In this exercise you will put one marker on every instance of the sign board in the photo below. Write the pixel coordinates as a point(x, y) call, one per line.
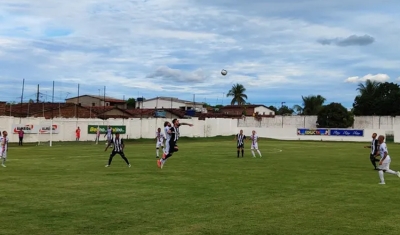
point(306, 131)
point(92, 129)
point(35, 129)
point(346, 132)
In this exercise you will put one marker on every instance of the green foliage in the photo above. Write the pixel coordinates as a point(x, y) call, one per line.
point(334, 115)
point(377, 99)
point(312, 104)
point(237, 92)
point(131, 103)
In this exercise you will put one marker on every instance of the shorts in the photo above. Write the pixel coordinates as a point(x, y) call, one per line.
point(240, 146)
point(159, 144)
point(170, 147)
point(254, 146)
point(385, 165)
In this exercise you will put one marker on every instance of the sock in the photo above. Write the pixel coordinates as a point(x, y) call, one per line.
point(238, 153)
point(258, 151)
point(373, 161)
point(242, 152)
point(252, 152)
point(391, 172)
point(157, 152)
point(3, 161)
point(381, 177)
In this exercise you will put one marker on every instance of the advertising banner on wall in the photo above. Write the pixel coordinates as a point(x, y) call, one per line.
point(306, 131)
point(346, 132)
point(92, 129)
point(35, 129)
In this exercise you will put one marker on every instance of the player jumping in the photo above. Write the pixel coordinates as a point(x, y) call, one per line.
point(254, 144)
point(3, 148)
point(172, 139)
point(160, 141)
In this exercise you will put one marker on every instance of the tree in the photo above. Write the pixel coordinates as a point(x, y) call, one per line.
point(366, 102)
point(284, 110)
point(377, 99)
point(131, 103)
point(273, 108)
point(238, 93)
point(311, 105)
point(334, 115)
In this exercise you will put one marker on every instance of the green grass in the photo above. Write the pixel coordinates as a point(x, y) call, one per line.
point(308, 188)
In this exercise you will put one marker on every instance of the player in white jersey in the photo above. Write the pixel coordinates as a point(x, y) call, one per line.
point(240, 138)
point(109, 135)
point(167, 126)
point(159, 141)
point(3, 148)
point(254, 144)
point(384, 164)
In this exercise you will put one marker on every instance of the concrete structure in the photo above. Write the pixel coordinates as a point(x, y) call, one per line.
point(96, 100)
point(279, 127)
point(170, 103)
point(249, 110)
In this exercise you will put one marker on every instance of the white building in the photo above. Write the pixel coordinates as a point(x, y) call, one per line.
point(170, 103)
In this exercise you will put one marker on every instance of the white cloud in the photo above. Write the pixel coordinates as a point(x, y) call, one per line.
point(377, 77)
point(174, 46)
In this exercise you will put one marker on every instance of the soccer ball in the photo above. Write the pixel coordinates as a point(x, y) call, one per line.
point(224, 72)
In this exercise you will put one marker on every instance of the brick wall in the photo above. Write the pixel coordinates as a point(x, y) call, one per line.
point(68, 111)
point(2, 108)
point(237, 111)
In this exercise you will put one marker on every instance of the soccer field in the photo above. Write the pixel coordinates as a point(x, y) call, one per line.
point(308, 188)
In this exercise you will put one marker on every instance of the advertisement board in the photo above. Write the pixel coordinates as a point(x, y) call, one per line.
point(346, 132)
point(92, 129)
point(35, 129)
point(317, 131)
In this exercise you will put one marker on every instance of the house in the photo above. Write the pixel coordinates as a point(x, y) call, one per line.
point(249, 110)
point(170, 103)
point(96, 100)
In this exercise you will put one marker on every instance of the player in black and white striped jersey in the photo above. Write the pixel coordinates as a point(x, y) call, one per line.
point(240, 138)
point(374, 150)
point(172, 135)
point(118, 148)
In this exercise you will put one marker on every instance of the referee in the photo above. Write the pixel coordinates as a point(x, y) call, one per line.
point(374, 150)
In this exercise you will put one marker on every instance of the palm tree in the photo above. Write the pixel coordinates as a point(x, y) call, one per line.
point(369, 88)
point(311, 105)
point(238, 93)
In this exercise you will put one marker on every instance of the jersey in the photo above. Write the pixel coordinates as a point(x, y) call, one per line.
point(240, 140)
point(374, 147)
point(174, 134)
point(382, 150)
point(3, 145)
point(118, 145)
point(109, 133)
point(167, 135)
point(254, 139)
point(160, 137)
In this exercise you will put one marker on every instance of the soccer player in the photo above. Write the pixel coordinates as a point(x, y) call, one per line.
point(240, 138)
point(172, 139)
point(109, 134)
point(160, 141)
point(21, 137)
point(4, 148)
point(254, 144)
point(384, 163)
point(167, 135)
point(374, 151)
point(118, 148)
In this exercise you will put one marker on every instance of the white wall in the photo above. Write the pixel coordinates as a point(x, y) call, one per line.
point(167, 104)
point(280, 127)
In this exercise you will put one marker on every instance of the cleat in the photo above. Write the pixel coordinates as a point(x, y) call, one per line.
point(107, 165)
point(3, 165)
point(129, 166)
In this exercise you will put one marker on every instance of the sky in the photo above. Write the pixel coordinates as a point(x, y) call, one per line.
point(279, 50)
